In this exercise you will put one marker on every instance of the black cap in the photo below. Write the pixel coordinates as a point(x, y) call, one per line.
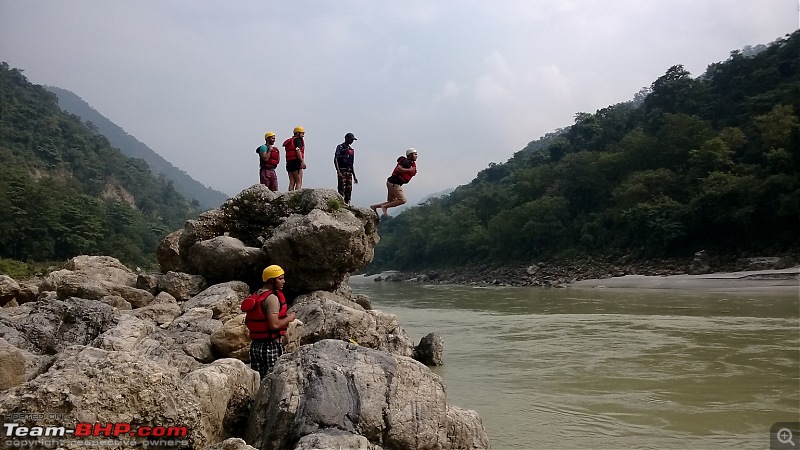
point(351, 136)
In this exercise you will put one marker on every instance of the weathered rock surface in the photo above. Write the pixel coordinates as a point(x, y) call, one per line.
point(222, 299)
point(92, 385)
point(12, 370)
point(9, 289)
point(224, 390)
point(430, 350)
point(328, 316)
point(343, 391)
point(311, 233)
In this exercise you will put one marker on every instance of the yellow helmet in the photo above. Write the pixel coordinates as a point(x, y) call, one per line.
point(273, 271)
point(269, 134)
point(299, 129)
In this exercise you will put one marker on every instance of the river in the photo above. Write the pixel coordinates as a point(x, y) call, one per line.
point(610, 368)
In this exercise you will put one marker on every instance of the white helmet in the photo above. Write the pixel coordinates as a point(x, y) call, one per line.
point(410, 151)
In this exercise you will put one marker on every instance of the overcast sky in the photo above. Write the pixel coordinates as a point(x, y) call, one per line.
point(466, 82)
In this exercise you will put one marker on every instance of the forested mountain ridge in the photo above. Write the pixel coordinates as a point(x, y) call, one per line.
point(192, 189)
point(711, 162)
point(65, 191)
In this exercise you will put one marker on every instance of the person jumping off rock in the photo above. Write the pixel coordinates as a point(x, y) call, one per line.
point(405, 169)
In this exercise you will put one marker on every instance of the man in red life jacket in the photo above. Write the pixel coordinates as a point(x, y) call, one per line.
point(296, 157)
point(267, 319)
point(405, 169)
point(269, 157)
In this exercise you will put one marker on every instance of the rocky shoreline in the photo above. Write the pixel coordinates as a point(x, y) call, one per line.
point(97, 345)
point(563, 273)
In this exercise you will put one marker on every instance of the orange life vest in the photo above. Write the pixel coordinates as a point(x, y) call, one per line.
point(256, 320)
point(274, 157)
point(403, 177)
point(291, 154)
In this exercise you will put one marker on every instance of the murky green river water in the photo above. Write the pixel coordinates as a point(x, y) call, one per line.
point(610, 368)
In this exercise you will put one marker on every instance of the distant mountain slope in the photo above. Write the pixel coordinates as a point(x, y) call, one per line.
point(190, 188)
point(66, 191)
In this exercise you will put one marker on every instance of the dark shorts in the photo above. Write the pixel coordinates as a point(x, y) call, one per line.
point(264, 353)
point(293, 165)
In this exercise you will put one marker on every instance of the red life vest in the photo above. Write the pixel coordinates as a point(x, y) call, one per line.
point(274, 157)
point(256, 320)
point(403, 177)
point(291, 154)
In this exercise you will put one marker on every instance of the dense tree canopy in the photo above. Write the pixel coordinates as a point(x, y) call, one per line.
point(710, 162)
point(65, 191)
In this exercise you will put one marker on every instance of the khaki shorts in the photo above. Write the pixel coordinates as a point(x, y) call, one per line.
point(395, 192)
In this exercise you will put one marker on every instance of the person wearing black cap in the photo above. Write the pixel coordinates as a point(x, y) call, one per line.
point(345, 172)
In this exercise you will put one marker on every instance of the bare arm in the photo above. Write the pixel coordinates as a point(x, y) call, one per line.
point(273, 309)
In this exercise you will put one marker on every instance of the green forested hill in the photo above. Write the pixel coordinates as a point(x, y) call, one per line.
point(192, 189)
point(65, 191)
point(711, 162)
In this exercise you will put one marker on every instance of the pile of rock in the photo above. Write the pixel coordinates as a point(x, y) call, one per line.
point(97, 343)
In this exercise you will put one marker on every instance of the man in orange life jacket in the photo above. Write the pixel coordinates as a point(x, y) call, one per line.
point(295, 157)
point(405, 169)
point(267, 319)
point(269, 157)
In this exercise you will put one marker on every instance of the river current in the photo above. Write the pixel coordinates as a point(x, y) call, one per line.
point(610, 368)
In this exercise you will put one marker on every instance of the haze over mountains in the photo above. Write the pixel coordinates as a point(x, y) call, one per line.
point(206, 197)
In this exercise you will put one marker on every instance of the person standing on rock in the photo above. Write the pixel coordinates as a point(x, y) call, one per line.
point(269, 157)
point(345, 172)
point(267, 320)
point(405, 169)
point(295, 157)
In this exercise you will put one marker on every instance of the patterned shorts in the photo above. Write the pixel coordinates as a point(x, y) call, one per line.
point(264, 353)
point(345, 185)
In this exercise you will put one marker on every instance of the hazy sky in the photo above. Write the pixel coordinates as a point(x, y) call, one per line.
point(466, 82)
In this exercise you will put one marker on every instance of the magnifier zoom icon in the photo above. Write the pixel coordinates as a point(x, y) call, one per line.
point(784, 436)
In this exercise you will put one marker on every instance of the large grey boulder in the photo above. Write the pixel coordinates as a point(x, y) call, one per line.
point(224, 390)
point(91, 385)
point(311, 233)
point(392, 401)
point(51, 326)
point(233, 339)
point(159, 314)
point(9, 290)
point(328, 316)
point(223, 258)
point(168, 253)
point(430, 350)
point(222, 299)
point(182, 286)
point(93, 286)
point(321, 248)
point(103, 267)
point(145, 340)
